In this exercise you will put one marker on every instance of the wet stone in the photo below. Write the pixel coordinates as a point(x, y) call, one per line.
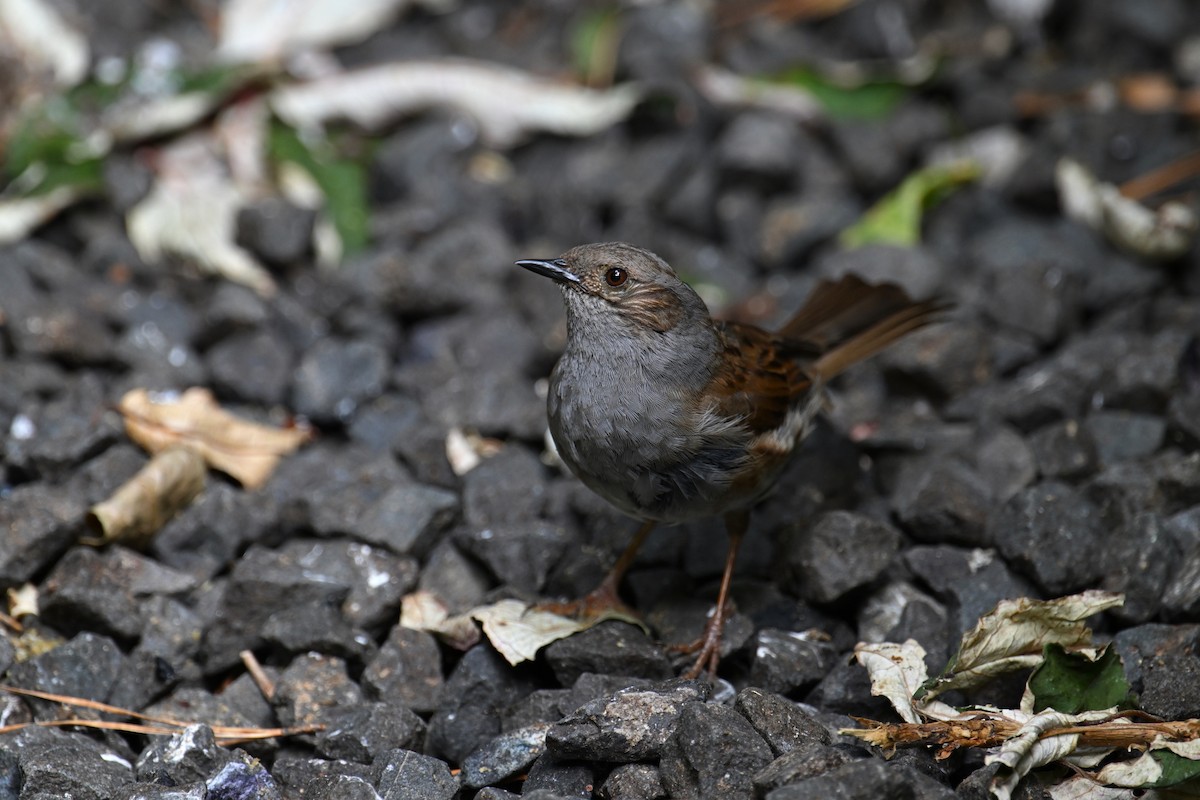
point(252, 366)
point(298, 773)
point(861, 779)
point(1054, 535)
point(317, 627)
point(1141, 645)
point(365, 732)
point(335, 377)
point(153, 791)
point(406, 518)
point(479, 688)
point(204, 538)
point(275, 230)
point(1124, 435)
point(1142, 558)
point(633, 782)
point(540, 705)
point(72, 767)
point(185, 757)
point(717, 754)
point(62, 331)
point(1178, 476)
point(40, 523)
point(613, 648)
point(801, 763)
point(787, 661)
point(313, 688)
point(630, 725)
point(66, 431)
point(971, 582)
point(520, 555)
point(1171, 686)
point(377, 579)
point(508, 487)
point(1005, 458)
point(1144, 376)
point(494, 793)
point(87, 666)
point(759, 147)
point(263, 583)
point(551, 779)
point(194, 704)
point(406, 775)
point(85, 592)
point(1037, 396)
point(232, 307)
point(245, 778)
point(459, 582)
point(944, 500)
point(398, 423)
point(1064, 450)
point(839, 552)
point(783, 725)
point(504, 757)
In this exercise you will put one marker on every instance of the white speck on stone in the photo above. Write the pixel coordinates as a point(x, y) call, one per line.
point(22, 428)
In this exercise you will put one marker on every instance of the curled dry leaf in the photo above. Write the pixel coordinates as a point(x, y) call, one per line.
point(424, 611)
point(137, 510)
point(518, 631)
point(465, 450)
point(246, 451)
point(897, 671)
point(19, 216)
point(37, 37)
point(1159, 234)
point(192, 212)
point(23, 602)
point(259, 30)
point(506, 103)
point(1012, 636)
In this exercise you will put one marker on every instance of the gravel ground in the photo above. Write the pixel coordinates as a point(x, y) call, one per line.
point(1043, 441)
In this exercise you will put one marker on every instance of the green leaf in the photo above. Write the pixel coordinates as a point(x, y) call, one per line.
point(1176, 769)
point(342, 181)
point(1071, 682)
point(872, 100)
point(594, 42)
point(896, 218)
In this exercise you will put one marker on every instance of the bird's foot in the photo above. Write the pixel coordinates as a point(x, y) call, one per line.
point(601, 603)
point(707, 648)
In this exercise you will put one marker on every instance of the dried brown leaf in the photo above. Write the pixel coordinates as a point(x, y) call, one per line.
point(246, 451)
point(148, 500)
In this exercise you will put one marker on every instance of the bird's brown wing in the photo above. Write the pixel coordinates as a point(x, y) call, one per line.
point(760, 378)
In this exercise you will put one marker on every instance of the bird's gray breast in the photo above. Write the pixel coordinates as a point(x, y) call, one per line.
point(640, 443)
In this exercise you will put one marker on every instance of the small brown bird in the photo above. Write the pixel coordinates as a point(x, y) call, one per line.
point(671, 415)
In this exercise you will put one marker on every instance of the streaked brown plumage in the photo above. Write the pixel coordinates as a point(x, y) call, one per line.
point(671, 415)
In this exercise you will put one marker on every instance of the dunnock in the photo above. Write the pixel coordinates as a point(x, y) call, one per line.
point(671, 415)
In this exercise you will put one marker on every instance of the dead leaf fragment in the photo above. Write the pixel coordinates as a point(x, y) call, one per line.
point(507, 104)
point(518, 631)
point(259, 30)
point(244, 450)
point(1159, 234)
point(148, 500)
point(1012, 636)
point(192, 213)
point(424, 611)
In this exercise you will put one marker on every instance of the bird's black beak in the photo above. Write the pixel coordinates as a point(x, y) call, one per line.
point(555, 268)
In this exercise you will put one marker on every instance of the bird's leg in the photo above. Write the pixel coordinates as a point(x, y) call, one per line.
point(605, 596)
point(708, 646)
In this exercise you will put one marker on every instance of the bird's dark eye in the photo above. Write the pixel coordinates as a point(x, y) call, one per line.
point(615, 276)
